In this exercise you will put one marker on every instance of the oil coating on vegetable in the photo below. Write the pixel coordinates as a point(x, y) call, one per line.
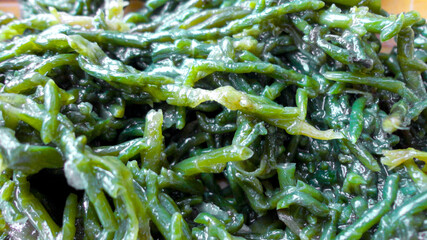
point(212, 120)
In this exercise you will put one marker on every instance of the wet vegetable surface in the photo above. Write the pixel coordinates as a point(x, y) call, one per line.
point(207, 120)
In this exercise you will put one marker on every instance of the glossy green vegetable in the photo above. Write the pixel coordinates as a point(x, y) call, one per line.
point(212, 120)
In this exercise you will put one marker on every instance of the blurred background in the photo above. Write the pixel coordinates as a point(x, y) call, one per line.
point(392, 6)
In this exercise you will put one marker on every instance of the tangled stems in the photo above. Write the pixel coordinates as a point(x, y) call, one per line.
point(212, 120)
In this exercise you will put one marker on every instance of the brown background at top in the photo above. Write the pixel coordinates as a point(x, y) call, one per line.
point(10, 6)
point(397, 6)
point(392, 6)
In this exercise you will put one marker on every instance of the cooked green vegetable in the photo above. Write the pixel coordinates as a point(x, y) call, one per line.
point(208, 119)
